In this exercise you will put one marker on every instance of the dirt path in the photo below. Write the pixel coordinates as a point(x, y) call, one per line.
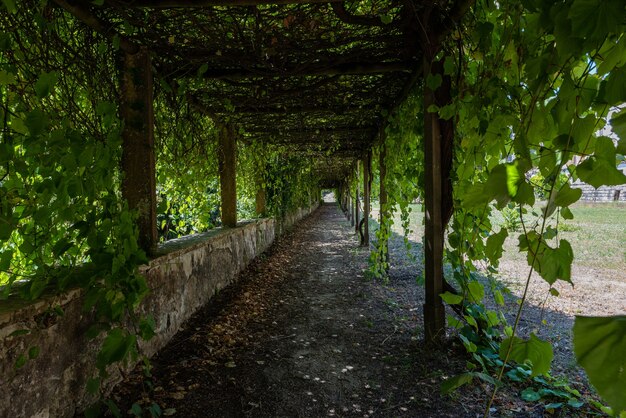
point(304, 334)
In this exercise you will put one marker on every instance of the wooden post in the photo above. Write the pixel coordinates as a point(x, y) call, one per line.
point(260, 201)
point(352, 204)
point(227, 160)
point(356, 200)
point(138, 160)
point(382, 200)
point(434, 312)
point(367, 185)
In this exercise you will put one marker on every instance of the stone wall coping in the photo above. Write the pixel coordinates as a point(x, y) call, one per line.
point(16, 310)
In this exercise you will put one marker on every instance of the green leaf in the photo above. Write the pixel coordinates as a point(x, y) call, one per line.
point(451, 299)
point(21, 361)
point(146, 327)
point(575, 403)
point(5, 259)
point(203, 69)
point(19, 332)
point(45, 84)
point(36, 121)
point(494, 247)
point(554, 264)
point(453, 383)
point(61, 247)
point(433, 81)
point(476, 292)
point(594, 19)
point(566, 196)
point(599, 345)
point(536, 351)
point(33, 352)
point(10, 5)
point(553, 406)
point(136, 410)
point(497, 296)
point(566, 213)
point(618, 124)
point(614, 56)
point(615, 89)
point(599, 172)
point(530, 395)
point(113, 408)
point(115, 347)
point(386, 19)
point(6, 78)
point(93, 385)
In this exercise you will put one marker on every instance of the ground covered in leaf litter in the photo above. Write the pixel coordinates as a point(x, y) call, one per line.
point(303, 333)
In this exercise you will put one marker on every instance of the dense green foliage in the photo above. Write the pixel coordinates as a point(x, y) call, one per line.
point(534, 82)
point(63, 221)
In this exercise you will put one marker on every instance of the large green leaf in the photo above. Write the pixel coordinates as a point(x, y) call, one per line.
point(534, 350)
point(618, 124)
point(598, 172)
point(600, 348)
point(594, 19)
point(615, 88)
point(566, 196)
point(494, 247)
point(115, 347)
point(456, 382)
point(46, 83)
point(601, 168)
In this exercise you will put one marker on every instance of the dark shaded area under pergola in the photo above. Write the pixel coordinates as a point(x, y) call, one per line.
point(318, 76)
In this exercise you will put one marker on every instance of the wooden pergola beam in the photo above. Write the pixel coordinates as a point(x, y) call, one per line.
point(289, 109)
point(171, 4)
point(328, 69)
point(316, 131)
point(82, 13)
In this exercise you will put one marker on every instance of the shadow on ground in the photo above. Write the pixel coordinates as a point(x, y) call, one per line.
point(303, 333)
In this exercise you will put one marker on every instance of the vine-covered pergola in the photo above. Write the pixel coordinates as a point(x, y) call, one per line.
point(311, 74)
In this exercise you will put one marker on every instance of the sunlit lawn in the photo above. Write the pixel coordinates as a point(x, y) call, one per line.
point(597, 235)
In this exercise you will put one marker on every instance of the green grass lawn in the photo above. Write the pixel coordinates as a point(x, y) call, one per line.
point(597, 234)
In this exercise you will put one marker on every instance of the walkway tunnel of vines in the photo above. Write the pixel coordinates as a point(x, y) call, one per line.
point(126, 123)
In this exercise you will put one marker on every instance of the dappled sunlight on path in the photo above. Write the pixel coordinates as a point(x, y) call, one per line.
point(304, 334)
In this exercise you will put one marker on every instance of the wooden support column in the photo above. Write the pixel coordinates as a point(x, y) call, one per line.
point(347, 203)
point(259, 183)
point(356, 200)
point(434, 312)
point(352, 204)
point(227, 159)
point(382, 157)
point(367, 186)
point(260, 201)
point(138, 160)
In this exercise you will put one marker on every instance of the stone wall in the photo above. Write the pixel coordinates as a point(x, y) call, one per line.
point(183, 277)
point(602, 193)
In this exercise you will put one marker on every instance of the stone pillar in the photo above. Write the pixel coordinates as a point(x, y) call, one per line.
point(138, 155)
point(227, 160)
